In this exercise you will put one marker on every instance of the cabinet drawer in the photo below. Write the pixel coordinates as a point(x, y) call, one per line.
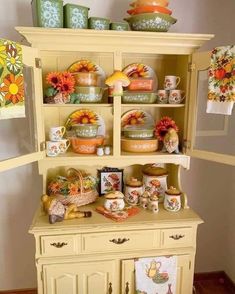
point(60, 245)
point(121, 241)
point(178, 237)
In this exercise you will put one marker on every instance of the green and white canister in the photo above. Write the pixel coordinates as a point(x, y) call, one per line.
point(47, 13)
point(76, 16)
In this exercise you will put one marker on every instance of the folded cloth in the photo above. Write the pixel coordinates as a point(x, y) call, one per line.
point(118, 216)
point(156, 275)
point(221, 95)
point(11, 80)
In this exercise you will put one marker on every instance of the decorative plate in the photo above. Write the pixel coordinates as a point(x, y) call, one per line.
point(140, 70)
point(86, 116)
point(85, 65)
point(136, 117)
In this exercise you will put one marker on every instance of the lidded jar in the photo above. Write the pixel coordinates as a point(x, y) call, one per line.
point(172, 200)
point(153, 203)
point(114, 201)
point(155, 180)
point(133, 191)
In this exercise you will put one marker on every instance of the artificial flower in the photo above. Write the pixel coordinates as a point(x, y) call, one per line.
point(2, 55)
point(13, 89)
point(163, 125)
point(85, 116)
point(13, 61)
point(65, 86)
point(53, 79)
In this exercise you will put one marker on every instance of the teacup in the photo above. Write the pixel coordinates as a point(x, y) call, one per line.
point(162, 96)
point(56, 133)
point(63, 145)
point(171, 82)
point(176, 96)
point(54, 148)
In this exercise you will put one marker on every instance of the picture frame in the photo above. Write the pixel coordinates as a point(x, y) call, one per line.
point(110, 179)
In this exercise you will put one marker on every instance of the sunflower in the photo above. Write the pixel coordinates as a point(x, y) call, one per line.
point(13, 88)
point(53, 79)
point(65, 86)
point(83, 66)
point(84, 116)
point(2, 55)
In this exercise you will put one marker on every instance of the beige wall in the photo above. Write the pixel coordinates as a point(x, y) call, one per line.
point(210, 186)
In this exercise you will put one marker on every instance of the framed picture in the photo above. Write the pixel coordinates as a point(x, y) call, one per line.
point(110, 179)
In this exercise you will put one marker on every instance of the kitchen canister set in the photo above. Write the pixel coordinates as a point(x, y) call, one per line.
point(53, 14)
point(152, 190)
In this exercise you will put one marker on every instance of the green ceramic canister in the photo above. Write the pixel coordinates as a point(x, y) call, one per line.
point(76, 16)
point(119, 26)
point(98, 23)
point(47, 13)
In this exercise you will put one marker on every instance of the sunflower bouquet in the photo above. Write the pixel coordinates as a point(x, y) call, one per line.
point(61, 88)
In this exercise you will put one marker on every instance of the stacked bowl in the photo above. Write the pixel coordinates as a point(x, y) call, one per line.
point(150, 15)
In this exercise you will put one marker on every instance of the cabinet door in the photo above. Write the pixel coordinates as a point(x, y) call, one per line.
point(210, 136)
point(184, 276)
point(81, 278)
point(21, 137)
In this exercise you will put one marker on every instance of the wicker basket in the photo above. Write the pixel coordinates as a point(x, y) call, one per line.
point(83, 197)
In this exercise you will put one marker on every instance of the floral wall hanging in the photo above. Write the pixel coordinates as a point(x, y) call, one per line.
point(12, 96)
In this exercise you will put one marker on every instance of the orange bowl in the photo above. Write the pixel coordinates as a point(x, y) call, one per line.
point(86, 146)
point(149, 9)
point(139, 3)
point(139, 146)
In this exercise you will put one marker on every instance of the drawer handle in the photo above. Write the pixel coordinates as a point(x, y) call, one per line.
point(110, 288)
point(119, 241)
point(177, 237)
point(127, 289)
point(59, 244)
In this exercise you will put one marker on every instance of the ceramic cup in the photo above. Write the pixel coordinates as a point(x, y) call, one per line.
point(63, 145)
point(56, 133)
point(162, 96)
point(171, 82)
point(176, 96)
point(52, 148)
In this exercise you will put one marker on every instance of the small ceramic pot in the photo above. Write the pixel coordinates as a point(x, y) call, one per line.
point(172, 200)
point(153, 204)
point(119, 26)
point(144, 200)
point(133, 191)
point(98, 23)
point(114, 201)
point(85, 130)
point(76, 16)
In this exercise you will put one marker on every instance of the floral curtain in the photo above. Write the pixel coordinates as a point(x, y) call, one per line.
point(12, 102)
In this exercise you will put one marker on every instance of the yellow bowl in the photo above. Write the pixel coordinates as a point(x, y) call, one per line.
point(139, 146)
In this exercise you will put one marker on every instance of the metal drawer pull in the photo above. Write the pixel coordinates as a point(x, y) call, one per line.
point(127, 290)
point(119, 241)
point(59, 244)
point(176, 237)
point(110, 288)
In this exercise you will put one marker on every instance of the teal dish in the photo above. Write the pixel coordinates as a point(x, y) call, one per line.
point(151, 22)
point(76, 16)
point(119, 26)
point(139, 97)
point(98, 23)
point(48, 14)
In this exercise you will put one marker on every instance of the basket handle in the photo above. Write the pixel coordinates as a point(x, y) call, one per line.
point(76, 172)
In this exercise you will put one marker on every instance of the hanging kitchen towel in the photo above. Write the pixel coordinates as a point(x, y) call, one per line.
point(11, 80)
point(221, 96)
point(156, 275)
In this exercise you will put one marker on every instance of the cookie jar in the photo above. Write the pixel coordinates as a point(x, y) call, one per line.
point(114, 201)
point(133, 191)
point(172, 200)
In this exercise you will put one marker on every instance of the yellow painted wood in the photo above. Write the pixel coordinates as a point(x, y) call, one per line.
point(177, 237)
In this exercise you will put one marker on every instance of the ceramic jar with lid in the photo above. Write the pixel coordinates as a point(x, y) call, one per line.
point(133, 191)
point(155, 180)
point(144, 200)
point(114, 201)
point(172, 200)
point(153, 203)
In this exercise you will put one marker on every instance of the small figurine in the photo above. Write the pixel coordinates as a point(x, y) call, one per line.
point(58, 212)
point(117, 81)
point(171, 141)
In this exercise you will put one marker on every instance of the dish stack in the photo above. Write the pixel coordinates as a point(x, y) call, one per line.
point(150, 15)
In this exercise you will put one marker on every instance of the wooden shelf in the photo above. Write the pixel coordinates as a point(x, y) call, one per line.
point(83, 105)
point(155, 105)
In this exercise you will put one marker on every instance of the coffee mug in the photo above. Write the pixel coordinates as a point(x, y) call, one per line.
point(63, 145)
point(171, 82)
point(52, 148)
point(56, 133)
point(176, 96)
point(162, 96)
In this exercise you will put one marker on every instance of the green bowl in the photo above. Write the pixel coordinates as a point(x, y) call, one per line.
point(135, 132)
point(138, 97)
point(151, 22)
point(119, 26)
point(85, 130)
point(98, 23)
point(76, 16)
point(89, 94)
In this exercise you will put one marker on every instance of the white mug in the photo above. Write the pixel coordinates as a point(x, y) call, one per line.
point(171, 82)
point(176, 96)
point(56, 133)
point(63, 145)
point(162, 96)
point(52, 148)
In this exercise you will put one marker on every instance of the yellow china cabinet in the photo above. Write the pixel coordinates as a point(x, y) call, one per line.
point(97, 255)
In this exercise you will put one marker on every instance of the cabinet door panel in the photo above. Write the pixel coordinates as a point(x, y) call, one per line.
point(80, 278)
point(21, 137)
point(210, 136)
point(184, 276)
